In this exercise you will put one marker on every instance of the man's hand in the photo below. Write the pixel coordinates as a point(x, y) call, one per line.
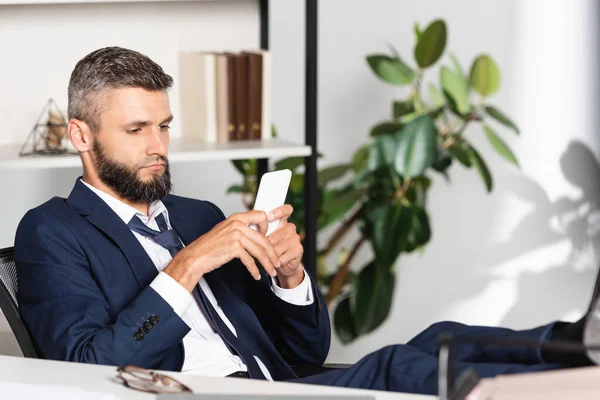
point(288, 248)
point(231, 238)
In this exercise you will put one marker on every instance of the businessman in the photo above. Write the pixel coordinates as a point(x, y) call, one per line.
point(123, 272)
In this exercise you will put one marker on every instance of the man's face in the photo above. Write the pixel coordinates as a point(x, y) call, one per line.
point(130, 150)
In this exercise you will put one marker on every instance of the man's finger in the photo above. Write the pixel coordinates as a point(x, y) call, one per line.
point(248, 261)
point(281, 212)
point(262, 255)
point(262, 242)
point(280, 233)
point(255, 217)
point(283, 247)
point(293, 253)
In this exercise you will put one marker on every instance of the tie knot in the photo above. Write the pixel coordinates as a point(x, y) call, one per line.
point(166, 237)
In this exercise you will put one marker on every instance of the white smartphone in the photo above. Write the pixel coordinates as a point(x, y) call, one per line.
point(272, 192)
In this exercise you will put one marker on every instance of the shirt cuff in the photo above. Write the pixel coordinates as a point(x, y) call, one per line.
point(301, 295)
point(172, 292)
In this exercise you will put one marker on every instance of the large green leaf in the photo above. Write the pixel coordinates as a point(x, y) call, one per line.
point(236, 189)
point(381, 183)
point(501, 147)
point(297, 183)
point(341, 203)
point(290, 163)
point(485, 76)
point(442, 161)
point(454, 87)
point(501, 117)
point(371, 299)
point(360, 158)
point(343, 321)
point(244, 167)
point(431, 44)
point(437, 97)
point(460, 150)
point(387, 227)
point(388, 127)
point(432, 111)
point(332, 173)
point(482, 168)
point(420, 231)
point(459, 71)
point(417, 147)
point(402, 107)
point(391, 70)
point(333, 214)
point(382, 152)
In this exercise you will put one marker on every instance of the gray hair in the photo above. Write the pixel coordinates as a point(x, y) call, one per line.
point(110, 68)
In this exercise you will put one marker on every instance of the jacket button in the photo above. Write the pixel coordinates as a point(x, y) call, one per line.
point(138, 336)
point(148, 325)
point(153, 319)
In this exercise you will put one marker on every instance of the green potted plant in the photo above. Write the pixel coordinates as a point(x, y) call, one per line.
point(383, 189)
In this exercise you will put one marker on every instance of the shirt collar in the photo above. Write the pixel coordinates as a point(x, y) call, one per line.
point(125, 211)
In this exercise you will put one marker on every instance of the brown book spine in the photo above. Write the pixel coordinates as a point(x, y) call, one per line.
point(242, 97)
point(254, 95)
point(232, 60)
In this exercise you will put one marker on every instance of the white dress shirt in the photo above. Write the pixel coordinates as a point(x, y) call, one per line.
point(205, 352)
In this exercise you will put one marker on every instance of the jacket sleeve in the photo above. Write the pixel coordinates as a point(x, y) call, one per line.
point(301, 333)
point(67, 313)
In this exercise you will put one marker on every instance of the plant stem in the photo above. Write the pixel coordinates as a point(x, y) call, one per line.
point(449, 141)
point(418, 103)
point(340, 277)
point(462, 128)
point(404, 188)
point(342, 231)
point(395, 179)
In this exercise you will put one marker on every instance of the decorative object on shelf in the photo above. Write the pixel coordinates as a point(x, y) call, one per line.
point(383, 189)
point(49, 134)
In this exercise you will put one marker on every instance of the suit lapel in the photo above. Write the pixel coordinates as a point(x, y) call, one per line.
point(181, 223)
point(98, 213)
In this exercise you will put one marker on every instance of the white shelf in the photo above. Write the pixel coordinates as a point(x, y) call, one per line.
point(23, 2)
point(180, 150)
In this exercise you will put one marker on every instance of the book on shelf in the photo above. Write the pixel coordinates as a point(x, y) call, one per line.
point(225, 96)
point(198, 96)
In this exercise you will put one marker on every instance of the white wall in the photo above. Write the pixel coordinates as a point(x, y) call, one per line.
point(501, 259)
point(528, 253)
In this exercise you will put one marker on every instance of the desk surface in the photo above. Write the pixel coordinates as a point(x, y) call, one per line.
point(100, 378)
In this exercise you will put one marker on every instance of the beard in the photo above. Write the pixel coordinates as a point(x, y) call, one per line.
point(124, 179)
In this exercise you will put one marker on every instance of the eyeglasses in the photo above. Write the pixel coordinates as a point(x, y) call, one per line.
point(148, 381)
point(451, 389)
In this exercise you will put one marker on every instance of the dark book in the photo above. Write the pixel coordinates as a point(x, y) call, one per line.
point(255, 88)
point(242, 97)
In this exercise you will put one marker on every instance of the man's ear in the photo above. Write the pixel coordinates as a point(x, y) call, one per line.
point(80, 135)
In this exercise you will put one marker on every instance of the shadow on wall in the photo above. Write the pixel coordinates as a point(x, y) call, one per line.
point(557, 288)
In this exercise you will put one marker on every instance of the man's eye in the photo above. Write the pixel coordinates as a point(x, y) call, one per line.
point(164, 127)
point(133, 131)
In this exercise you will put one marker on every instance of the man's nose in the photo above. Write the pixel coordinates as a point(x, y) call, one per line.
point(158, 142)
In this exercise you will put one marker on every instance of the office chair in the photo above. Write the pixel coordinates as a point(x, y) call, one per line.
point(8, 302)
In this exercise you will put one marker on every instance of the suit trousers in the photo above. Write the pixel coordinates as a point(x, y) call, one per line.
point(413, 367)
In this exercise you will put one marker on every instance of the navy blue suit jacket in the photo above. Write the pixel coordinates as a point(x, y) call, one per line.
point(84, 291)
